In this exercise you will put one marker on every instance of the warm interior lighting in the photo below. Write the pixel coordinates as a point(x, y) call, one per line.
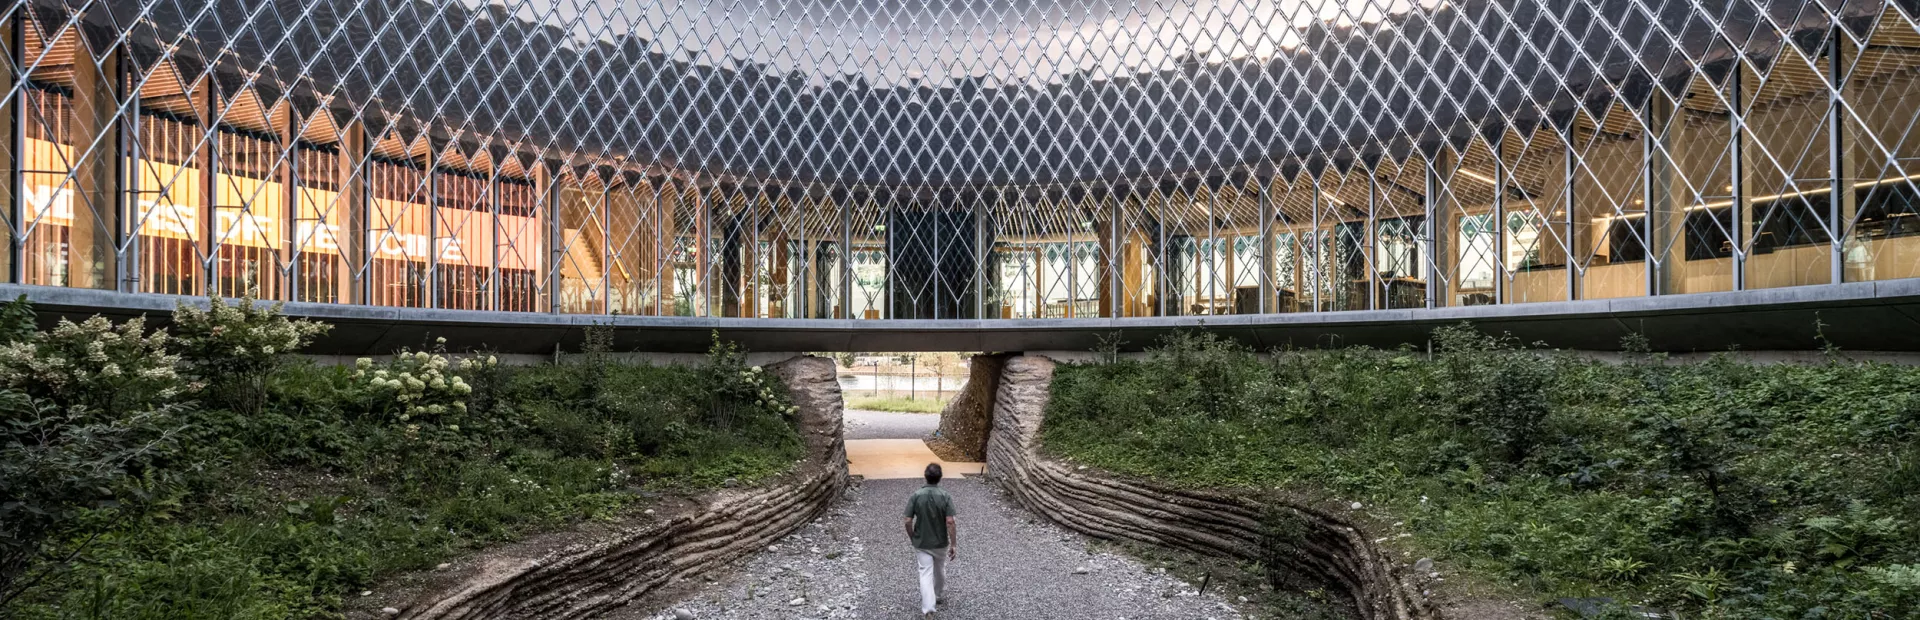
point(1810, 192)
point(1479, 177)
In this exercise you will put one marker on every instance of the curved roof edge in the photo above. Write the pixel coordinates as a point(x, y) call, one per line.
point(1861, 316)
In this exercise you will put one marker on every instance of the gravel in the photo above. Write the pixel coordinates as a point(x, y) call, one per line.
point(855, 563)
point(865, 424)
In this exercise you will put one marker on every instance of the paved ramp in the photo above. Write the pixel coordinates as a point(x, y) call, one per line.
point(889, 459)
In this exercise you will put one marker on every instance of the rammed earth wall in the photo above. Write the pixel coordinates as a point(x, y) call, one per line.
point(599, 572)
point(1302, 545)
point(968, 419)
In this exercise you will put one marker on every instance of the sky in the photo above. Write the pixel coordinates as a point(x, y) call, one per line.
point(895, 42)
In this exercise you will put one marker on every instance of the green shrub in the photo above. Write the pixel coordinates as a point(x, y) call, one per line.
point(344, 476)
point(68, 475)
point(232, 348)
point(95, 365)
point(1722, 489)
point(17, 321)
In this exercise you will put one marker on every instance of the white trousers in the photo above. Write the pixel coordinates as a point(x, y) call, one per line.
point(933, 576)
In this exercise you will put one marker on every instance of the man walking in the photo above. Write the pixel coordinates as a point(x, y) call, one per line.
point(935, 537)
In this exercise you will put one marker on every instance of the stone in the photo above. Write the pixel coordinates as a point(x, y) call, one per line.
point(390, 611)
point(1423, 565)
point(1081, 570)
point(797, 602)
point(366, 593)
point(443, 566)
point(682, 614)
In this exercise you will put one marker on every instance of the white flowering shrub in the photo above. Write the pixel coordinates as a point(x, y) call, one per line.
point(232, 348)
point(95, 365)
point(733, 385)
point(416, 387)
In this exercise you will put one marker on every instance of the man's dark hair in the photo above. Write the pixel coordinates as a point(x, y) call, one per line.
point(933, 473)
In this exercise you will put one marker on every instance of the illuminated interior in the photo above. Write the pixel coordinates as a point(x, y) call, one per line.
point(1001, 161)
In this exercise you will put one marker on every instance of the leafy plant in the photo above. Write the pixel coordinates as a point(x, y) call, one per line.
point(1718, 489)
point(232, 348)
point(17, 321)
point(69, 475)
point(96, 366)
point(415, 387)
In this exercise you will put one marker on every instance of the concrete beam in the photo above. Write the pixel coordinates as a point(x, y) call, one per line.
point(1858, 316)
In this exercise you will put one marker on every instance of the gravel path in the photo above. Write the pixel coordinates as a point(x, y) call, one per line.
point(865, 424)
point(854, 563)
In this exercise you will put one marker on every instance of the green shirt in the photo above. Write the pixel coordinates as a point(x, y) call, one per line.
point(930, 506)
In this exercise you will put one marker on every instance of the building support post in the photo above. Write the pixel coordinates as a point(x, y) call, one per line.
point(1661, 120)
point(1842, 196)
point(1319, 271)
point(1430, 233)
point(1268, 301)
point(556, 253)
point(846, 250)
point(16, 112)
point(1737, 207)
point(1372, 232)
point(1498, 227)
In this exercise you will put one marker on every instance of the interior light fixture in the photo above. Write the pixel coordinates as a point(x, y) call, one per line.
point(1809, 192)
point(1479, 177)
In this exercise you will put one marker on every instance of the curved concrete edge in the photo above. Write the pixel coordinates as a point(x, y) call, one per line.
point(1859, 316)
point(585, 579)
point(1302, 545)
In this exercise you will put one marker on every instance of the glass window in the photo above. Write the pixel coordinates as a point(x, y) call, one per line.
point(1707, 236)
point(1791, 221)
point(1625, 241)
point(1890, 209)
point(167, 204)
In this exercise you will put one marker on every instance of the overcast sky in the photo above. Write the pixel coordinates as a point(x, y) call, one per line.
point(892, 42)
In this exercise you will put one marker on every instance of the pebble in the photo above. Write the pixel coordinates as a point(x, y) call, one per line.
point(1011, 568)
point(1423, 565)
point(682, 614)
point(390, 611)
point(443, 566)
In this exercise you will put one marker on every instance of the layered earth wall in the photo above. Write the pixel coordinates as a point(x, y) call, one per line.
point(1302, 545)
point(613, 568)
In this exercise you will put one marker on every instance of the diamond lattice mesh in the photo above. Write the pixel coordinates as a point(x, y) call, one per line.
point(971, 159)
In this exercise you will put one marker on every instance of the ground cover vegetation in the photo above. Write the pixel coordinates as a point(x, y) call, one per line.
point(204, 471)
point(898, 404)
point(1717, 489)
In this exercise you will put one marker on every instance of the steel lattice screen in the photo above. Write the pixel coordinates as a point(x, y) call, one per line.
point(996, 159)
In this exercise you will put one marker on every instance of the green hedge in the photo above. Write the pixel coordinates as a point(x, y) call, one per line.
point(1722, 489)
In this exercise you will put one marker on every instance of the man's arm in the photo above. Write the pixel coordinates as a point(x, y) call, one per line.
point(953, 539)
point(909, 521)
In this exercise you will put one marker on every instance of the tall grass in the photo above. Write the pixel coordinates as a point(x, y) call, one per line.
point(1722, 489)
point(287, 512)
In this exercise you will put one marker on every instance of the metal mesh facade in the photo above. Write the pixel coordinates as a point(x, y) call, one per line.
point(972, 159)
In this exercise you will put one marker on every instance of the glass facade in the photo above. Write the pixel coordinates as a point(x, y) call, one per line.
point(998, 160)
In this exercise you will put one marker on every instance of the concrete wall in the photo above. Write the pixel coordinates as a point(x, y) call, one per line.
point(1860, 316)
